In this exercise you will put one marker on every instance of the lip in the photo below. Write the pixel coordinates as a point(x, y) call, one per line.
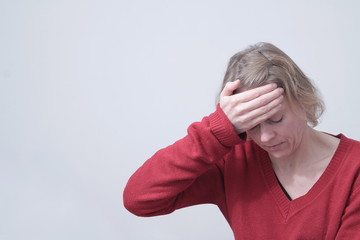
point(274, 147)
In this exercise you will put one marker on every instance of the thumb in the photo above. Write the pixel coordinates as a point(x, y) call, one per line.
point(230, 87)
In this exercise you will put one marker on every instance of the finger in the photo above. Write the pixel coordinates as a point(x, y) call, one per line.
point(229, 88)
point(263, 113)
point(256, 92)
point(265, 99)
point(266, 116)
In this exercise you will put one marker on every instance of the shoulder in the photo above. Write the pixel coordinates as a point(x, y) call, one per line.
point(349, 146)
point(348, 153)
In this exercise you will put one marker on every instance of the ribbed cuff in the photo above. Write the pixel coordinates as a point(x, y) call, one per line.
point(222, 128)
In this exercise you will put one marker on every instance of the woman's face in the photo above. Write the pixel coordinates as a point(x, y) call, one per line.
point(280, 135)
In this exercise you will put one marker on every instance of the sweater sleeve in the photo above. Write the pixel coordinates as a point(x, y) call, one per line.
point(184, 173)
point(350, 222)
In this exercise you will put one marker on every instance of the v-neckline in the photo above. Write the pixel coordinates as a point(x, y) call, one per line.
point(289, 207)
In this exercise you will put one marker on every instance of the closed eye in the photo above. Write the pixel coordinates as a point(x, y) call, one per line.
point(275, 120)
point(270, 121)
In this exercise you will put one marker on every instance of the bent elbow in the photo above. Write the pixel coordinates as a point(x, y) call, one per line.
point(132, 204)
point(136, 205)
point(141, 206)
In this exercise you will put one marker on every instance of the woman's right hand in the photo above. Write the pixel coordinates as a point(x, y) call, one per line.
point(247, 109)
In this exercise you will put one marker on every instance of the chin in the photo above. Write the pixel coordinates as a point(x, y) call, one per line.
point(279, 155)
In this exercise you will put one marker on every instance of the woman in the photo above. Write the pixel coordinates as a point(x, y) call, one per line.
point(258, 158)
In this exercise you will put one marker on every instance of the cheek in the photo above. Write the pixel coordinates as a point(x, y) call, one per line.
point(295, 129)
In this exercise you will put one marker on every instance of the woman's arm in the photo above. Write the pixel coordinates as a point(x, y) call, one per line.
point(184, 173)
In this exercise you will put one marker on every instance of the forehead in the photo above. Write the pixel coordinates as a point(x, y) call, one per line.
point(294, 111)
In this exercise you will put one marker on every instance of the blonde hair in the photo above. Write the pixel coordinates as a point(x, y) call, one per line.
point(264, 63)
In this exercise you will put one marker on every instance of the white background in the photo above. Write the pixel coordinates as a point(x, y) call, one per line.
point(90, 89)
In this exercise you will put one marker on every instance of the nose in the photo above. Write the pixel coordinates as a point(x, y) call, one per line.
point(266, 133)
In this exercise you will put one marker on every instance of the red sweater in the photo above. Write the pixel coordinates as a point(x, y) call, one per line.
point(213, 165)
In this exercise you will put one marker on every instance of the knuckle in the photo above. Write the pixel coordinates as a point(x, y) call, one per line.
point(257, 94)
point(233, 101)
point(240, 109)
point(265, 109)
point(243, 119)
point(262, 101)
